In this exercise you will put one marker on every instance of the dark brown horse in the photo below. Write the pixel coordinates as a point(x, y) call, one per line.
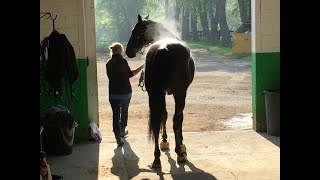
point(169, 69)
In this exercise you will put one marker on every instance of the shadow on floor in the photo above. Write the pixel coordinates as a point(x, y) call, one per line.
point(125, 166)
point(125, 162)
point(179, 173)
point(273, 139)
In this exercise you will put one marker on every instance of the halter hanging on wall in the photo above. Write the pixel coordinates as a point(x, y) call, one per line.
point(52, 19)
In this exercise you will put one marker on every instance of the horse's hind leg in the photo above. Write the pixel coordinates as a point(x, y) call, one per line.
point(177, 127)
point(164, 145)
point(156, 163)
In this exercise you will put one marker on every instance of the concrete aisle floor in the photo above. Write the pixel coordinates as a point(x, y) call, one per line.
point(238, 155)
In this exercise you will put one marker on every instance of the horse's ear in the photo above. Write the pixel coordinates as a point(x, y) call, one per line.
point(139, 18)
point(147, 17)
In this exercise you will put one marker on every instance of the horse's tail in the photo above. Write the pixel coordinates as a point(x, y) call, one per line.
point(156, 122)
point(156, 77)
point(157, 106)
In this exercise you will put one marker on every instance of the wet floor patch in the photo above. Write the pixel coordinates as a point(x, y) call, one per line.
point(239, 122)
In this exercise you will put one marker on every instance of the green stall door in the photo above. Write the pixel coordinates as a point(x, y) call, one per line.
point(79, 106)
point(265, 76)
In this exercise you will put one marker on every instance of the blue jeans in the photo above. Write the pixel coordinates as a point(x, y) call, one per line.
point(119, 113)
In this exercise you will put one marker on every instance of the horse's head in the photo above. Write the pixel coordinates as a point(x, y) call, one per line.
point(141, 36)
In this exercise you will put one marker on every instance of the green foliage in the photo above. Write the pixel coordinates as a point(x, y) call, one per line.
point(233, 15)
point(105, 25)
point(248, 5)
point(155, 10)
point(112, 16)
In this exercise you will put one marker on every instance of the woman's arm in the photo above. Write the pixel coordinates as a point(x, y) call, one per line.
point(136, 71)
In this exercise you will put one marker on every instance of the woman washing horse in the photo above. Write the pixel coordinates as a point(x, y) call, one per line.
point(120, 90)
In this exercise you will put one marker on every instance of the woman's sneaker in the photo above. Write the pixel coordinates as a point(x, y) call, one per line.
point(123, 132)
point(119, 141)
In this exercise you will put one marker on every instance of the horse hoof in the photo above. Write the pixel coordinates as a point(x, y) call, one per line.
point(183, 149)
point(181, 159)
point(156, 165)
point(164, 145)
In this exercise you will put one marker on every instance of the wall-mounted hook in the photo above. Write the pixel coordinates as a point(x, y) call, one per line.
point(50, 16)
point(45, 13)
point(53, 22)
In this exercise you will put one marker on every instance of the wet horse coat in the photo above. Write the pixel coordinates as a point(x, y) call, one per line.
point(169, 69)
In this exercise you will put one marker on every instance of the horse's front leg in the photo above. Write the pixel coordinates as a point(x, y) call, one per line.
point(164, 145)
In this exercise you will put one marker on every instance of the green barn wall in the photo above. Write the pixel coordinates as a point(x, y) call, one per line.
point(265, 76)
